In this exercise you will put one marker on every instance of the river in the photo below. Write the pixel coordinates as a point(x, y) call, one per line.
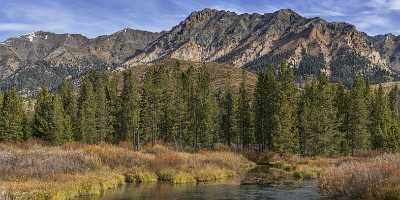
point(217, 191)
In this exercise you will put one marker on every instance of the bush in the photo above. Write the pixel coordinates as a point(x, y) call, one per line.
point(139, 175)
point(212, 173)
point(374, 178)
point(175, 177)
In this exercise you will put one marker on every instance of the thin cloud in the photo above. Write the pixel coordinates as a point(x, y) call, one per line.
point(15, 27)
point(385, 5)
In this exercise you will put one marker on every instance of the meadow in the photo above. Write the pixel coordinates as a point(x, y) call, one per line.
point(34, 171)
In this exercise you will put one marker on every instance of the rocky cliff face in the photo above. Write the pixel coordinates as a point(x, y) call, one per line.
point(43, 57)
point(253, 40)
point(250, 41)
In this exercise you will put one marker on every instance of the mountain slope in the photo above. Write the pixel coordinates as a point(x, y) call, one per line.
point(253, 40)
point(249, 41)
point(40, 57)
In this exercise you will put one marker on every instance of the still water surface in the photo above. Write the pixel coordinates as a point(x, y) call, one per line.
point(221, 191)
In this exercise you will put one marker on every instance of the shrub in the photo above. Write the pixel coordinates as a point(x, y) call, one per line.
point(212, 173)
point(175, 177)
point(140, 175)
point(374, 178)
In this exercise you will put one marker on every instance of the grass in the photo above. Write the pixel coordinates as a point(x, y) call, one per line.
point(376, 177)
point(35, 171)
point(140, 175)
point(176, 177)
point(212, 173)
point(63, 187)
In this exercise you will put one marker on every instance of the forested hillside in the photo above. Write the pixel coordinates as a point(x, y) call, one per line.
point(180, 106)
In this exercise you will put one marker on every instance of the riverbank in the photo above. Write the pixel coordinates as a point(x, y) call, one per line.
point(366, 175)
point(39, 172)
point(286, 169)
point(35, 171)
point(371, 178)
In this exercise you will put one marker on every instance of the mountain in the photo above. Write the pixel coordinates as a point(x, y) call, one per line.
point(43, 57)
point(249, 41)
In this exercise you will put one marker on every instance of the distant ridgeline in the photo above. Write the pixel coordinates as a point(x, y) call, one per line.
point(190, 107)
point(249, 41)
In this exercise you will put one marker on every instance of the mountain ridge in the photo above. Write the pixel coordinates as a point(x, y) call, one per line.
point(249, 41)
point(253, 40)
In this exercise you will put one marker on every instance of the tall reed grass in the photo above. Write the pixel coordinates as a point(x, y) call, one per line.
point(377, 178)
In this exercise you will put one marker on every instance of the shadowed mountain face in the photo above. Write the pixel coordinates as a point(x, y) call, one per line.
point(250, 41)
point(43, 57)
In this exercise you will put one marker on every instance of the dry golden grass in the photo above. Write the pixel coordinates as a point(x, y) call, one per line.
point(27, 170)
point(62, 187)
point(367, 178)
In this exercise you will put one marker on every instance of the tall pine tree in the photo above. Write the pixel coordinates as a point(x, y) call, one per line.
point(130, 110)
point(244, 114)
point(358, 117)
point(285, 136)
point(380, 120)
point(11, 117)
point(87, 114)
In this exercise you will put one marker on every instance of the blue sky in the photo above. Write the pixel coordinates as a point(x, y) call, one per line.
point(99, 17)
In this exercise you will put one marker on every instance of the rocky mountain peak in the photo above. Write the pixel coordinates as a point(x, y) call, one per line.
point(250, 41)
point(310, 45)
point(287, 13)
point(32, 59)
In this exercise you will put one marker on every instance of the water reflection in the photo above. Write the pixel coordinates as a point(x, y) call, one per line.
point(308, 191)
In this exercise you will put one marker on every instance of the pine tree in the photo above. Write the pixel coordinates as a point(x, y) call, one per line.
point(104, 124)
point(182, 105)
point(114, 106)
point(87, 114)
point(68, 98)
point(49, 119)
point(317, 119)
point(227, 116)
point(358, 117)
point(394, 100)
point(394, 133)
point(380, 120)
point(57, 132)
point(202, 104)
point(266, 109)
point(244, 114)
point(342, 105)
point(42, 117)
point(167, 110)
point(150, 105)
point(1, 99)
point(284, 135)
point(130, 110)
point(259, 112)
point(11, 117)
point(27, 125)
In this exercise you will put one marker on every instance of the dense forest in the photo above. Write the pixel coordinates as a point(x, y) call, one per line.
point(181, 108)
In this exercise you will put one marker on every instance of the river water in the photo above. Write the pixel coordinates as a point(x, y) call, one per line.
point(217, 191)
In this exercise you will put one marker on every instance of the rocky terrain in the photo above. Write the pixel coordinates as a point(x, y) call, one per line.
point(249, 41)
point(46, 58)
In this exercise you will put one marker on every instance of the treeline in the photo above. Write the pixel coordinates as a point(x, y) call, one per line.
point(181, 107)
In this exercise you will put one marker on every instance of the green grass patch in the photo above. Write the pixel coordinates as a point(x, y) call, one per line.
point(211, 174)
point(139, 175)
point(175, 177)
